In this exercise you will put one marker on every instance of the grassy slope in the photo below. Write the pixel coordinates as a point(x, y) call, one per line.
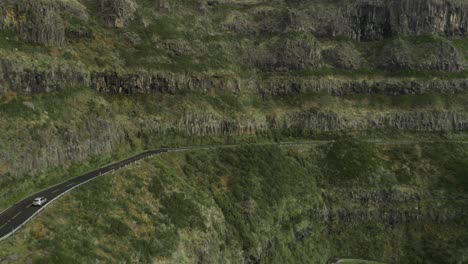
point(215, 204)
point(257, 203)
point(188, 39)
point(21, 124)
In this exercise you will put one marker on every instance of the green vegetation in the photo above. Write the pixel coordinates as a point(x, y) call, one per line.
point(238, 73)
point(188, 36)
point(256, 203)
point(28, 122)
point(350, 159)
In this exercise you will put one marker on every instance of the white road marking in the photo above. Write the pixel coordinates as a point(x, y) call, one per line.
point(61, 194)
point(3, 225)
point(16, 215)
point(56, 191)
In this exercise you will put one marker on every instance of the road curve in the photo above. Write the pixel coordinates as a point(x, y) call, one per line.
point(14, 217)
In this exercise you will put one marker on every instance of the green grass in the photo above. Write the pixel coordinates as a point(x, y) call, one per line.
point(213, 49)
point(72, 111)
point(462, 45)
point(249, 202)
point(14, 188)
point(351, 159)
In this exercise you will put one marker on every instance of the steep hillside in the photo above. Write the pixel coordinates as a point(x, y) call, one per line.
point(127, 46)
point(263, 205)
point(45, 135)
point(222, 69)
point(84, 82)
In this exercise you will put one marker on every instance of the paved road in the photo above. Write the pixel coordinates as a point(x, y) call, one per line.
point(18, 214)
point(21, 212)
point(14, 217)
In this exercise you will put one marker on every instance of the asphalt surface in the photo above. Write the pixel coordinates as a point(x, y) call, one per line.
point(21, 212)
point(14, 217)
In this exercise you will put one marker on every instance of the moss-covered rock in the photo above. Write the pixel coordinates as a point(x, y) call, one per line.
point(117, 13)
point(344, 56)
point(262, 204)
point(435, 54)
point(289, 53)
point(36, 21)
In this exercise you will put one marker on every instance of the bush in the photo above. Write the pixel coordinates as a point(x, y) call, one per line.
point(181, 211)
point(459, 170)
point(350, 158)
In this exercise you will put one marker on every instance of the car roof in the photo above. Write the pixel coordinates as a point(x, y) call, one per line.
point(39, 198)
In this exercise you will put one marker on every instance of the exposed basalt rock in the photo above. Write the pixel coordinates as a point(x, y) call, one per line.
point(296, 52)
point(202, 124)
point(310, 122)
point(396, 56)
point(161, 83)
point(437, 55)
point(371, 21)
point(391, 207)
point(411, 17)
point(344, 56)
point(367, 20)
point(60, 146)
point(288, 86)
point(271, 20)
point(391, 218)
point(422, 121)
point(117, 13)
point(64, 75)
point(317, 121)
point(79, 33)
point(36, 21)
point(418, 17)
point(15, 76)
point(412, 209)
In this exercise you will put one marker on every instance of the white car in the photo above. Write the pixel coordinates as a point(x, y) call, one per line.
point(39, 201)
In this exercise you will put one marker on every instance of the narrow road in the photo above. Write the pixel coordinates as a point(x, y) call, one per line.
point(14, 217)
point(21, 212)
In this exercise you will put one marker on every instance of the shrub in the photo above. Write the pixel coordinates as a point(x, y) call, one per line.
point(350, 158)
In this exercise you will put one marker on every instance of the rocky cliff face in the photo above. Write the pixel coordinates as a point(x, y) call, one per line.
point(278, 86)
point(266, 52)
point(368, 20)
point(271, 87)
point(53, 146)
point(144, 82)
point(24, 78)
point(117, 13)
point(37, 22)
point(300, 37)
point(81, 79)
point(34, 79)
point(436, 56)
point(263, 204)
point(292, 53)
point(429, 17)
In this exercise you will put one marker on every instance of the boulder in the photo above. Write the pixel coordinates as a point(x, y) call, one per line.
point(117, 13)
point(344, 56)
